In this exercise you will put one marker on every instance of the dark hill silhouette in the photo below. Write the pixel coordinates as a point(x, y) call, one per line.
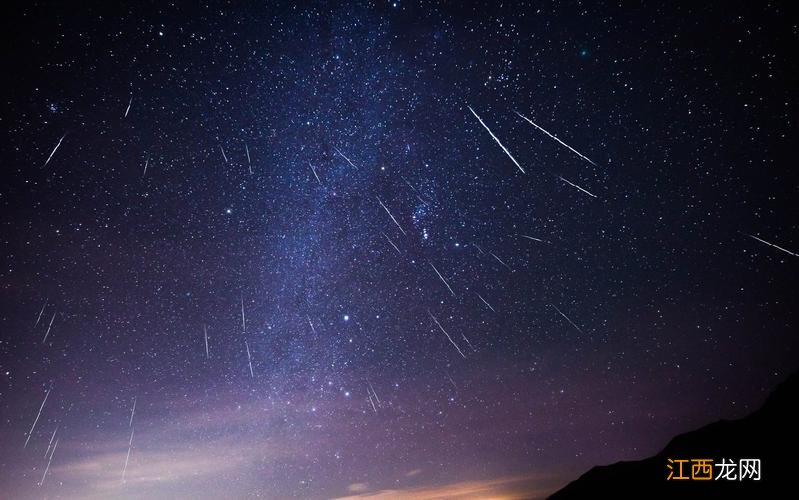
point(770, 434)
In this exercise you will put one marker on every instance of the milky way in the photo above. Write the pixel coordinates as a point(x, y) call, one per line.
point(348, 249)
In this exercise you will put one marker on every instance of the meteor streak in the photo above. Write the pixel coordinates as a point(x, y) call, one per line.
point(558, 140)
point(54, 150)
point(578, 187)
point(496, 139)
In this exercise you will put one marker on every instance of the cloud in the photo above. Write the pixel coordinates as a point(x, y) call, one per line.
point(161, 468)
point(167, 457)
point(503, 488)
point(357, 487)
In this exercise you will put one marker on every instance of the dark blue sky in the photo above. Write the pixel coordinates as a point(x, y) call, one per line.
point(317, 166)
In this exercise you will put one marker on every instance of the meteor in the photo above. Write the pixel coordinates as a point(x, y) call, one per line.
point(442, 279)
point(771, 245)
point(40, 313)
point(30, 432)
point(558, 140)
point(486, 303)
point(447, 334)
point(389, 214)
point(578, 187)
point(54, 150)
point(343, 156)
point(128, 108)
point(495, 139)
point(567, 318)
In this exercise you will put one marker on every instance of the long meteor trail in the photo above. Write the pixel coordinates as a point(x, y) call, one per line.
point(249, 163)
point(48, 463)
point(132, 412)
point(392, 217)
point(567, 318)
point(249, 359)
point(345, 157)
point(578, 187)
point(534, 239)
point(243, 324)
point(447, 334)
point(771, 245)
point(558, 140)
point(205, 332)
point(50, 444)
point(54, 150)
point(130, 445)
point(30, 432)
point(486, 303)
point(39, 318)
point(392, 243)
point(48, 329)
point(128, 108)
point(496, 139)
point(314, 173)
point(442, 279)
point(500, 261)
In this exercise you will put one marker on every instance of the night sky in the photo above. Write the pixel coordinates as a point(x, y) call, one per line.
point(289, 181)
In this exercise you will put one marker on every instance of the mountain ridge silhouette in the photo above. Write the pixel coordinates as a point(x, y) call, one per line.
point(770, 433)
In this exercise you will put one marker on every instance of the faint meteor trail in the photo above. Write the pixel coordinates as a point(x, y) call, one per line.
point(478, 249)
point(558, 140)
point(567, 318)
point(39, 318)
point(374, 392)
point(447, 334)
point(48, 328)
point(575, 185)
point(128, 108)
point(243, 324)
point(54, 150)
point(132, 412)
point(771, 244)
point(146, 162)
point(418, 195)
point(205, 333)
point(392, 217)
point(30, 432)
point(314, 173)
point(442, 278)
point(534, 239)
point(310, 323)
point(392, 243)
point(370, 400)
point(500, 261)
point(130, 445)
point(372, 396)
point(486, 303)
point(249, 359)
point(51, 442)
point(467, 342)
point(343, 156)
point(48, 463)
point(249, 163)
point(223, 153)
point(496, 139)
